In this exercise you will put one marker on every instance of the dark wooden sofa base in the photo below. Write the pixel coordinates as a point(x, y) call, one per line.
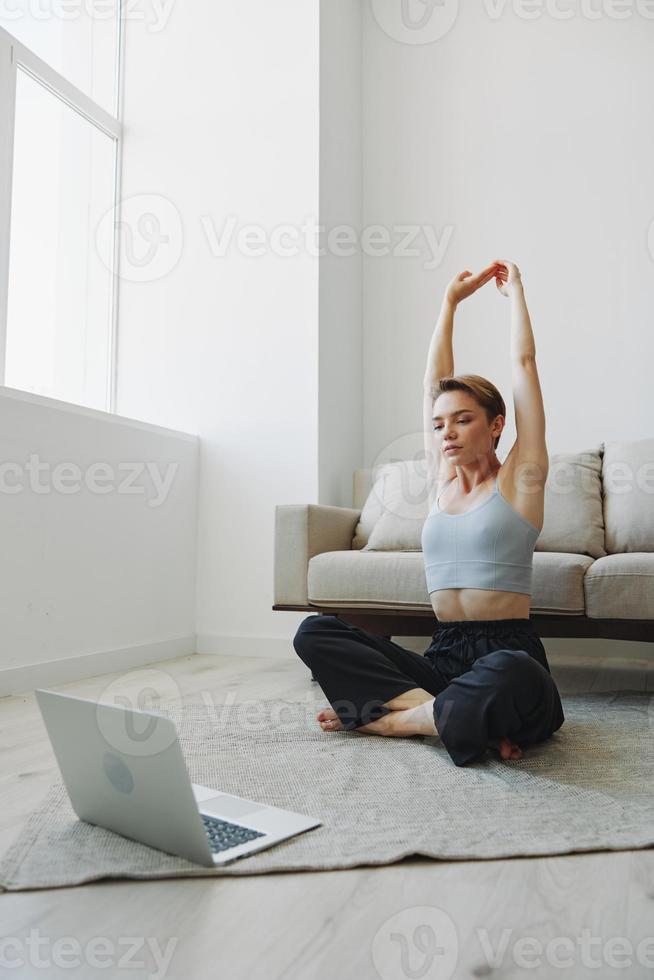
point(395, 622)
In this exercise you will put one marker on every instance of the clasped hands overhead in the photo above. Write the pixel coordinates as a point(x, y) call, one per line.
point(506, 275)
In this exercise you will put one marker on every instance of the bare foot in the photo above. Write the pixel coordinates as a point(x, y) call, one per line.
point(406, 722)
point(507, 748)
point(403, 722)
point(329, 720)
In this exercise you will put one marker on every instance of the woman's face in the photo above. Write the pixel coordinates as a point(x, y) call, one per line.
point(460, 421)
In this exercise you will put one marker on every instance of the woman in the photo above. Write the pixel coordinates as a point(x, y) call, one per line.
point(484, 679)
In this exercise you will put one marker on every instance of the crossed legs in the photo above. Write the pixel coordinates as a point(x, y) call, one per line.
point(412, 713)
point(382, 678)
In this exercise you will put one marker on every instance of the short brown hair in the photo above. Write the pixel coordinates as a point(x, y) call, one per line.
point(482, 390)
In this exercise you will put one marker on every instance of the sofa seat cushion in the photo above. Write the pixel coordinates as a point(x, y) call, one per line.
point(396, 580)
point(558, 582)
point(393, 580)
point(621, 587)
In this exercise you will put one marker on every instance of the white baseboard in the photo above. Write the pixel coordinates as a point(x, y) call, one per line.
point(245, 646)
point(19, 680)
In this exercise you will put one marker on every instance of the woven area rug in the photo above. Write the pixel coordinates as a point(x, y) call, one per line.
point(590, 787)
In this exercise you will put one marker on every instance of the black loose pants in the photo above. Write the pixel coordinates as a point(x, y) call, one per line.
point(490, 679)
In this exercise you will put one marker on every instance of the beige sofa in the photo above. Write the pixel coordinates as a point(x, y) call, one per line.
point(593, 571)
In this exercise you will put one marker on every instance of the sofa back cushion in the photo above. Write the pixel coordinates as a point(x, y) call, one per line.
point(397, 505)
point(395, 509)
point(573, 521)
point(368, 502)
point(628, 479)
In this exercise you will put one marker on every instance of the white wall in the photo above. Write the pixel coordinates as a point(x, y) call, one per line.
point(99, 561)
point(529, 140)
point(340, 389)
point(221, 119)
point(506, 138)
point(519, 139)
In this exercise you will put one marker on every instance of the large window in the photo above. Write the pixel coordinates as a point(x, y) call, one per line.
point(59, 171)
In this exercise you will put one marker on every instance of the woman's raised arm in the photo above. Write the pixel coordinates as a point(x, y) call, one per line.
point(530, 444)
point(440, 359)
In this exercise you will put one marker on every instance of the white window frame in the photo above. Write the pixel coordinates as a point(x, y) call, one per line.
point(13, 55)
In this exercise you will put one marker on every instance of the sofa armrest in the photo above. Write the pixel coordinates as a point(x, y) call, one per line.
point(302, 531)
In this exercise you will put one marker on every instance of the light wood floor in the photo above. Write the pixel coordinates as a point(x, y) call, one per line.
point(345, 924)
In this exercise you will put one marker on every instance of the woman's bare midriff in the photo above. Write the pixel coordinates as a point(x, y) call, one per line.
point(452, 604)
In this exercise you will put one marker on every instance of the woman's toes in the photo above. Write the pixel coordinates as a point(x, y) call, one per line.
point(506, 748)
point(509, 749)
point(327, 714)
point(328, 720)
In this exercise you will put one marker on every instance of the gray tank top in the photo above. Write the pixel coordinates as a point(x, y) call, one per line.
point(488, 547)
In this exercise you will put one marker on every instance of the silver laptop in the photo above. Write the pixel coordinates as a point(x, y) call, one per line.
point(124, 770)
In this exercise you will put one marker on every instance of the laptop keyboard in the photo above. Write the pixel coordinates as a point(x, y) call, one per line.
point(223, 835)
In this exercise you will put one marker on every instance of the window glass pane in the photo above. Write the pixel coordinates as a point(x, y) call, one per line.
point(60, 291)
point(78, 38)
